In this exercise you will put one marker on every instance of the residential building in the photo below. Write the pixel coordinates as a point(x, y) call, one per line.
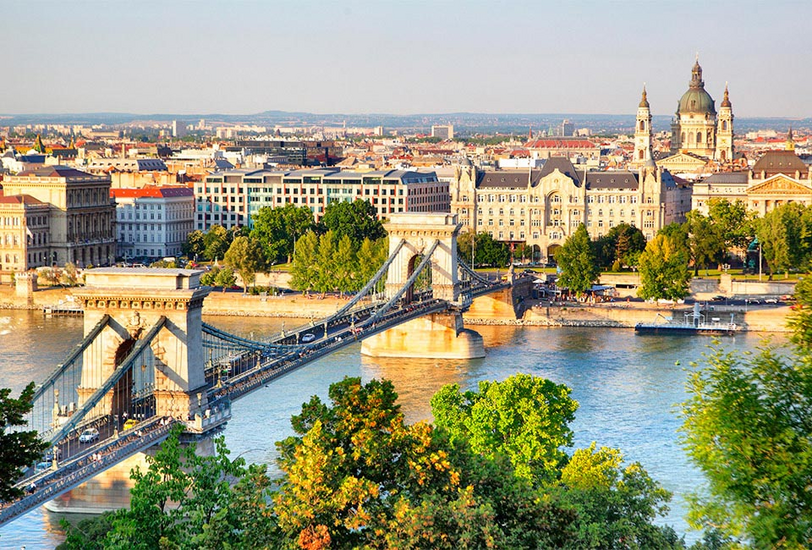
point(24, 229)
point(443, 131)
point(231, 198)
point(153, 222)
point(298, 152)
point(82, 215)
point(541, 208)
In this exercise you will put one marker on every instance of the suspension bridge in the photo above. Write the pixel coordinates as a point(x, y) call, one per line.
point(148, 362)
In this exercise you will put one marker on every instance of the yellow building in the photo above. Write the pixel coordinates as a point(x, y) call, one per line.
point(24, 227)
point(541, 208)
point(82, 214)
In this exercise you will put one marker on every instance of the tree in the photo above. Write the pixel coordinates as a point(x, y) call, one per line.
point(577, 262)
point(209, 278)
point(278, 229)
point(783, 236)
point(71, 274)
point(18, 449)
point(734, 222)
point(357, 476)
point(225, 278)
point(216, 242)
point(184, 500)
point(613, 503)
point(746, 425)
point(664, 269)
point(245, 257)
point(358, 220)
point(367, 261)
point(525, 418)
point(705, 240)
point(345, 265)
point(619, 246)
point(304, 271)
point(491, 252)
point(195, 244)
point(325, 262)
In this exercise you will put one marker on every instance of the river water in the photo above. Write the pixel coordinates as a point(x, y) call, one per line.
point(627, 386)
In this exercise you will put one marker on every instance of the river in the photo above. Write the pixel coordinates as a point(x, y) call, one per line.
point(627, 386)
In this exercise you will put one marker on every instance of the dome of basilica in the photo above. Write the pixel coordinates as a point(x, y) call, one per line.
point(696, 100)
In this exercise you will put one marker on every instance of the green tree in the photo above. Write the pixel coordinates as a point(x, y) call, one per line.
point(195, 244)
point(225, 278)
point(216, 242)
point(326, 263)
point(304, 271)
point(345, 265)
point(245, 257)
point(525, 418)
point(70, 276)
point(186, 501)
point(784, 238)
point(615, 505)
point(278, 229)
point(358, 220)
point(357, 476)
point(18, 449)
point(746, 425)
point(619, 246)
point(734, 222)
point(577, 261)
point(209, 278)
point(491, 252)
point(664, 269)
point(705, 239)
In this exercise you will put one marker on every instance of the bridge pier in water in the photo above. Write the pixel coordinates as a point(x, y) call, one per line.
point(168, 381)
point(437, 335)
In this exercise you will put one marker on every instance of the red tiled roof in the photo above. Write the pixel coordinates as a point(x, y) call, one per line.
point(152, 192)
point(19, 199)
point(560, 144)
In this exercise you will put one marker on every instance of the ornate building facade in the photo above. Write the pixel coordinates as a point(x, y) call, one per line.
point(541, 208)
point(24, 230)
point(82, 215)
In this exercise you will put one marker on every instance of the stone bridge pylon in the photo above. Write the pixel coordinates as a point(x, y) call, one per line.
point(437, 335)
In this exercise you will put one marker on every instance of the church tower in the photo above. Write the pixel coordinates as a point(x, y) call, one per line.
point(724, 131)
point(693, 129)
point(642, 132)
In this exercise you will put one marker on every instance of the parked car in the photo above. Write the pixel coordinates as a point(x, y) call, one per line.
point(771, 300)
point(719, 298)
point(309, 337)
point(89, 436)
point(752, 301)
point(130, 424)
point(787, 298)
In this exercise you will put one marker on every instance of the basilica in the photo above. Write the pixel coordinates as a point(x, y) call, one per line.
point(698, 131)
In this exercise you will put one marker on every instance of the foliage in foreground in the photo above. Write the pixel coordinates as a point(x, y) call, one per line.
point(747, 426)
point(355, 475)
point(18, 449)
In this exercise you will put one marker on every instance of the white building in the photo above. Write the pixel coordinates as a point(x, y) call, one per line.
point(153, 222)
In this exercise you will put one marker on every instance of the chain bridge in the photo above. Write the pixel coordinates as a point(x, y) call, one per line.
point(148, 362)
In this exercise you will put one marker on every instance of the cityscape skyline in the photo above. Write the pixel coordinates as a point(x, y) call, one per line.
point(418, 57)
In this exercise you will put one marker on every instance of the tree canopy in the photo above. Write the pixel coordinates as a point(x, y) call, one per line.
point(18, 449)
point(576, 259)
point(664, 268)
point(278, 229)
point(358, 220)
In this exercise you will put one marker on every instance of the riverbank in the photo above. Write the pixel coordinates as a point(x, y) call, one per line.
point(620, 314)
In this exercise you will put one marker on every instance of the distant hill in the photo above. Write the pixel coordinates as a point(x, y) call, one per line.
point(464, 123)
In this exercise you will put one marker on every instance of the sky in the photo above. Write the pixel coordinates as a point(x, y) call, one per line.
point(406, 57)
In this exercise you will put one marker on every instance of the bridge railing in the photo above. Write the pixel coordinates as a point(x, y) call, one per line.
point(50, 485)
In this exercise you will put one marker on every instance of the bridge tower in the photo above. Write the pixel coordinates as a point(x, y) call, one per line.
point(438, 335)
point(136, 299)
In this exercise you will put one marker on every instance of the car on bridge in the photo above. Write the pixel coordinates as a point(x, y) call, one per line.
point(49, 455)
point(89, 436)
point(130, 424)
point(309, 337)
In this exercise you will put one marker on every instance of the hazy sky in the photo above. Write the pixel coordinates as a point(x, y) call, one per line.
point(405, 57)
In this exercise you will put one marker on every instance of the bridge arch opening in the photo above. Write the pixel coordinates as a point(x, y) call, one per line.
point(423, 281)
point(122, 391)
